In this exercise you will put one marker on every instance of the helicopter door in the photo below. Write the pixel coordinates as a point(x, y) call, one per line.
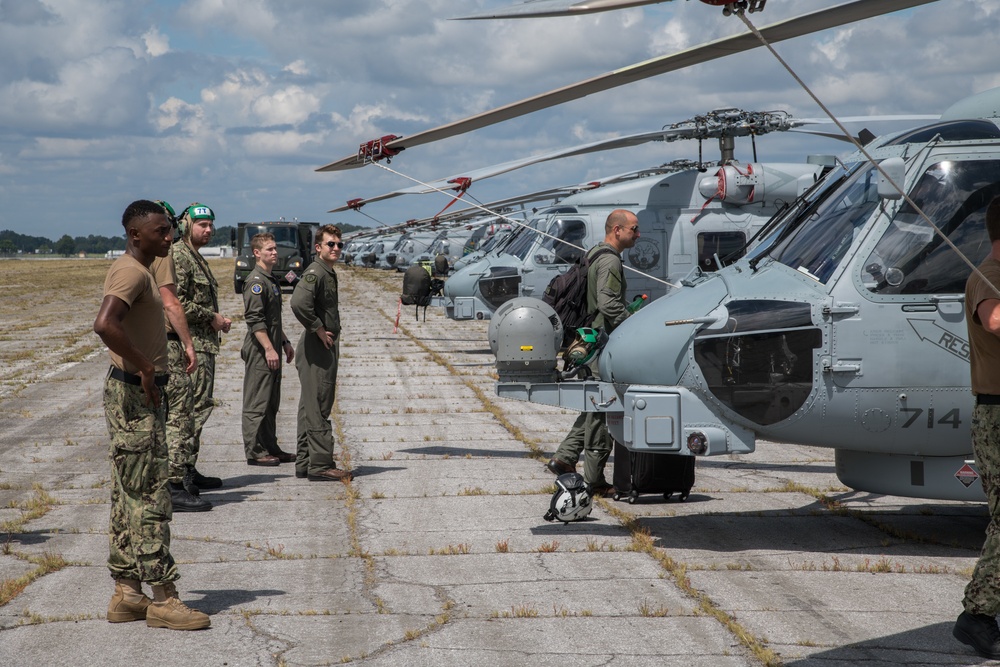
point(556, 252)
point(908, 327)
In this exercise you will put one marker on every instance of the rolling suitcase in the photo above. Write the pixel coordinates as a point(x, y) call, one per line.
point(637, 473)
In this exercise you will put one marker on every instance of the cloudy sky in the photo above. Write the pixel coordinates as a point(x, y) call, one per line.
point(235, 103)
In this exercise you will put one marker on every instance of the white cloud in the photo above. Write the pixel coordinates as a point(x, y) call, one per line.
point(290, 105)
point(298, 68)
point(157, 44)
point(207, 96)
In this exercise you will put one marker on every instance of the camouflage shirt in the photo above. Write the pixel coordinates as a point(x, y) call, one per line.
point(198, 293)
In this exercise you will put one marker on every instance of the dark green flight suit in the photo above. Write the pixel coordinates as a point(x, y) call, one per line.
point(315, 304)
point(261, 385)
point(605, 296)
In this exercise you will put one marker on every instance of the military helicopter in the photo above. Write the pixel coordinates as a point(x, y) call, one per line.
point(706, 209)
point(844, 328)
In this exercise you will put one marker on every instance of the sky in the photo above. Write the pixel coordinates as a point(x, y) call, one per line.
point(235, 103)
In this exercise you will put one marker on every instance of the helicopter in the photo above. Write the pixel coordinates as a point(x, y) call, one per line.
point(703, 209)
point(843, 328)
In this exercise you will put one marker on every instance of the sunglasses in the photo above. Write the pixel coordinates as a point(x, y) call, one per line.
point(335, 244)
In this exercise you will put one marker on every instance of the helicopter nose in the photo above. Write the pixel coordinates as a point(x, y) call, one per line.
point(653, 346)
point(461, 283)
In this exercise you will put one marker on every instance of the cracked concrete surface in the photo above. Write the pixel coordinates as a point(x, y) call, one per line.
point(436, 554)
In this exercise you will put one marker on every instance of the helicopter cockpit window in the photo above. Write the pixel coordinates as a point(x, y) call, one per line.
point(564, 243)
point(818, 245)
point(727, 246)
point(911, 258)
point(520, 246)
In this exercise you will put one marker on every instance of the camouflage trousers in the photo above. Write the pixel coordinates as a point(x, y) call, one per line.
point(982, 594)
point(589, 435)
point(189, 405)
point(139, 534)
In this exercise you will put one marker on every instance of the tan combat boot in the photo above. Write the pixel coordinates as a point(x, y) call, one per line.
point(167, 611)
point(128, 603)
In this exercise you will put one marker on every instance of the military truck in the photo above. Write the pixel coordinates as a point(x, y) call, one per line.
point(296, 244)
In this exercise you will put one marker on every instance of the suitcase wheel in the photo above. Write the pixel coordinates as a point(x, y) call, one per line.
point(631, 497)
point(617, 496)
point(683, 496)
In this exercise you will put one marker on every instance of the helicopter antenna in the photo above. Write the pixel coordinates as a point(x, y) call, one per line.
point(937, 230)
point(516, 222)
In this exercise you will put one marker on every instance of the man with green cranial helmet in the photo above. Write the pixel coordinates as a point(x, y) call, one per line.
point(194, 212)
point(169, 210)
point(191, 401)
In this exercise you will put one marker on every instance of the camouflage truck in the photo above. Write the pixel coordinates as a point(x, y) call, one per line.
point(296, 243)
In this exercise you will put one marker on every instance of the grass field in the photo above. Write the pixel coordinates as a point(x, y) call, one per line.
point(48, 307)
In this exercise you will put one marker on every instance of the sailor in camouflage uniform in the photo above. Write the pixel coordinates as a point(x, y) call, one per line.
point(131, 324)
point(261, 356)
point(188, 411)
point(315, 303)
point(182, 361)
point(977, 624)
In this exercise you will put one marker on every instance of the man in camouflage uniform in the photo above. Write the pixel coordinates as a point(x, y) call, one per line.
point(191, 405)
point(315, 303)
point(182, 361)
point(977, 625)
point(262, 378)
point(131, 324)
point(606, 297)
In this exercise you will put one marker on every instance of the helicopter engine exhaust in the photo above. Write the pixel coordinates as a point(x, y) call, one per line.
point(757, 183)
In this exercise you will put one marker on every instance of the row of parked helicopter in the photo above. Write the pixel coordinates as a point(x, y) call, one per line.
point(815, 303)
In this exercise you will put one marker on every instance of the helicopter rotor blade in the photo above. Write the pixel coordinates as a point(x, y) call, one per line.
point(550, 8)
point(777, 32)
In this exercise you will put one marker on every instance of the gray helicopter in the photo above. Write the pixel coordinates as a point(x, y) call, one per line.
point(844, 328)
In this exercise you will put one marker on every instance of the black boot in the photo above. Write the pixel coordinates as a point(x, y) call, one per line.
point(188, 483)
point(980, 632)
point(185, 502)
point(203, 482)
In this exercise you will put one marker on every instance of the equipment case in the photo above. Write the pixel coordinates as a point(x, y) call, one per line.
point(637, 473)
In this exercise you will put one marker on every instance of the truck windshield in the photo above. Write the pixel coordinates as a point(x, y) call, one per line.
point(283, 236)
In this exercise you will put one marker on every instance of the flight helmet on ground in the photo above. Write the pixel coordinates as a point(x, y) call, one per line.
point(572, 499)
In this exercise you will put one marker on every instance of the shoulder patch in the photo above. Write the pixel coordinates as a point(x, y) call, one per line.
point(310, 277)
point(257, 288)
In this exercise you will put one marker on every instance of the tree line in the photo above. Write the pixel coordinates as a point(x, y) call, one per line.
point(12, 243)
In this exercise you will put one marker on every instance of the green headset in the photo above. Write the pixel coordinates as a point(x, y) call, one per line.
point(193, 212)
point(169, 210)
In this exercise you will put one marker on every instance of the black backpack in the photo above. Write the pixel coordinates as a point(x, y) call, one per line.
point(567, 294)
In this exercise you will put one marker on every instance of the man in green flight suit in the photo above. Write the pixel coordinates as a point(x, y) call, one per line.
point(606, 297)
point(315, 303)
point(131, 323)
point(262, 379)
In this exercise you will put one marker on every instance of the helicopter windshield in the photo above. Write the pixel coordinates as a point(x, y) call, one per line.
point(911, 258)
point(818, 243)
point(283, 236)
point(522, 243)
point(564, 242)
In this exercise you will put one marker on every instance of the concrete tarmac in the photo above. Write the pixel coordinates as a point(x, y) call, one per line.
point(437, 554)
